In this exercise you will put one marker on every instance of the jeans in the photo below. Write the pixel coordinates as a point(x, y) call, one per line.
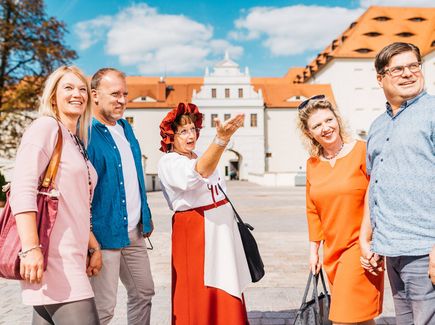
point(413, 291)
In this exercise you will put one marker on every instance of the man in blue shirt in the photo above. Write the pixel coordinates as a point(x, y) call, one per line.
point(121, 217)
point(401, 164)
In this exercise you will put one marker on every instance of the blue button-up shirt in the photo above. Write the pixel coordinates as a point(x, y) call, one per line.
point(401, 162)
point(109, 208)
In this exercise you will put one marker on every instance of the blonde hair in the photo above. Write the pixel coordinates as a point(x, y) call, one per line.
point(314, 148)
point(48, 105)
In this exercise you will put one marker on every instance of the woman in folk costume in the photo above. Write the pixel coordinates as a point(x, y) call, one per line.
point(209, 268)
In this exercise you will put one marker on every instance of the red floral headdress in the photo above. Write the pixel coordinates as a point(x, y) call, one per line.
point(166, 131)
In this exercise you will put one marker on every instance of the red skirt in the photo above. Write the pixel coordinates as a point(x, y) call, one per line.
point(192, 302)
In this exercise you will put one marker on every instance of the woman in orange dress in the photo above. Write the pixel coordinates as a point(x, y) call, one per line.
point(335, 194)
point(209, 267)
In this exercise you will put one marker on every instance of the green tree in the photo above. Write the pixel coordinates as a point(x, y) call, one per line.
point(31, 46)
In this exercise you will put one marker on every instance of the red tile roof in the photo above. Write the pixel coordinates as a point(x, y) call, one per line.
point(376, 28)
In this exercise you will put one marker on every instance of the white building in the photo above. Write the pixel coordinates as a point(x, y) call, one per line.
point(347, 64)
point(226, 92)
point(268, 149)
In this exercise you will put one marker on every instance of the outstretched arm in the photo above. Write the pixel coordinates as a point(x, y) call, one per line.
point(209, 160)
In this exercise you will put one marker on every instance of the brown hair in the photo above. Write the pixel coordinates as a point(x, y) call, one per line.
point(96, 78)
point(182, 120)
point(314, 148)
point(384, 56)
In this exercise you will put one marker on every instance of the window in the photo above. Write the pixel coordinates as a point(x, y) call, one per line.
point(227, 92)
point(254, 120)
point(144, 98)
point(240, 92)
point(373, 34)
point(227, 117)
point(417, 19)
point(213, 93)
point(382, 18)
point(405, 34)
point(130, 120)
point(213, 123)
point(363, 50)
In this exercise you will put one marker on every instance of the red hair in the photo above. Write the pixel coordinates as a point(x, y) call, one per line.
point(166, 126)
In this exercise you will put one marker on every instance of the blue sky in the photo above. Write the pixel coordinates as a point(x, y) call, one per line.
point(181, 38)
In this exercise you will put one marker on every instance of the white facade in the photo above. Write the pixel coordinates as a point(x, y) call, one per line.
point(357, 93)
point(429, 72)
point(226, 92)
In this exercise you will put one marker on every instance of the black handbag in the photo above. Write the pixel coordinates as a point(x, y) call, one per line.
point(315, 311)
point(255, 263)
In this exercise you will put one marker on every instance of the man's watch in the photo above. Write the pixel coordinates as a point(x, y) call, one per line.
point(93, 250)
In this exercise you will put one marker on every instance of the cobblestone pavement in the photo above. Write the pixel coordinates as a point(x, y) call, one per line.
point(281, 231)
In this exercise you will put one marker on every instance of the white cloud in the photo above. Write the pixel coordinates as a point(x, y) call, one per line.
point(92, 31)
point(155, 43)
point(294, 29)
point(397, 3)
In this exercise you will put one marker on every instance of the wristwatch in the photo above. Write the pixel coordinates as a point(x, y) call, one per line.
point(93, 250)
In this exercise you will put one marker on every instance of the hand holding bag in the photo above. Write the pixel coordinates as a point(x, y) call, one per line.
point(47, 202)
point(315, 311)
point(255, 263)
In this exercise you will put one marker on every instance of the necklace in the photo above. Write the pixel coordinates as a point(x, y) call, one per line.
point(335, 155)
point(81, 147)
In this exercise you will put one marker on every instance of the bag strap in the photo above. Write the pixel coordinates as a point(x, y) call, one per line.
point(325, 290)
point(307, 288)
point(234, 209)
point(50, 173)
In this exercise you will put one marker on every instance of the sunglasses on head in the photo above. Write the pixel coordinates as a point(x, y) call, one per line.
point(306, 101)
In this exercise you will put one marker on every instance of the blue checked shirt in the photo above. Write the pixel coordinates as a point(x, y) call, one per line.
point(401, 164)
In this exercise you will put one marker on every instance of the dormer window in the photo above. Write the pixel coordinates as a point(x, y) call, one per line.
point(417, 19)
point(433, 44)
point(363, 50)
point(352, 25)
point(405, 34)
point(373, 34)
point(382, 18)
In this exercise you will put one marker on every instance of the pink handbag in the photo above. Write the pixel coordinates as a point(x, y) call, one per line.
point(47, 202)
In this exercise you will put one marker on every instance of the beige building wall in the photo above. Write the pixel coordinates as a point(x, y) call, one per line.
point(146, 127)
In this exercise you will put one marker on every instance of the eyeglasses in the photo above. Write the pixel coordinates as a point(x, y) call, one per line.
point(184, 133)
point(306, 101)
point(400, 69)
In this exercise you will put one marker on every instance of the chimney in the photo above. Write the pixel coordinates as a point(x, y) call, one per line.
point(161, 90)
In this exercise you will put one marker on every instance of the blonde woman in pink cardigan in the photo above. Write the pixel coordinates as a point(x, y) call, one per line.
point(62, 294)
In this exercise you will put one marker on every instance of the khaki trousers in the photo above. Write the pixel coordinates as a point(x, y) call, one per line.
point(130, 264)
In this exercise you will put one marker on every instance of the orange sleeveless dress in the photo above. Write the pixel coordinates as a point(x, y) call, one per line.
point(335, 205)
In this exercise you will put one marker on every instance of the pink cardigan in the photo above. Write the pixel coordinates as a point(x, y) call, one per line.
point(65, 279)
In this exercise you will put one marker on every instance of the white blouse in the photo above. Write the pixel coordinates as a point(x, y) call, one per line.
point(225, 265)
point(183, 187)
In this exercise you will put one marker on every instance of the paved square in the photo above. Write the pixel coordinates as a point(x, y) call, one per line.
point(278, 215)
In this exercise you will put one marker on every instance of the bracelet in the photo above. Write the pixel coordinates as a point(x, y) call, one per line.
point(220, 142)
point(22, 254)
point(93, 250)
